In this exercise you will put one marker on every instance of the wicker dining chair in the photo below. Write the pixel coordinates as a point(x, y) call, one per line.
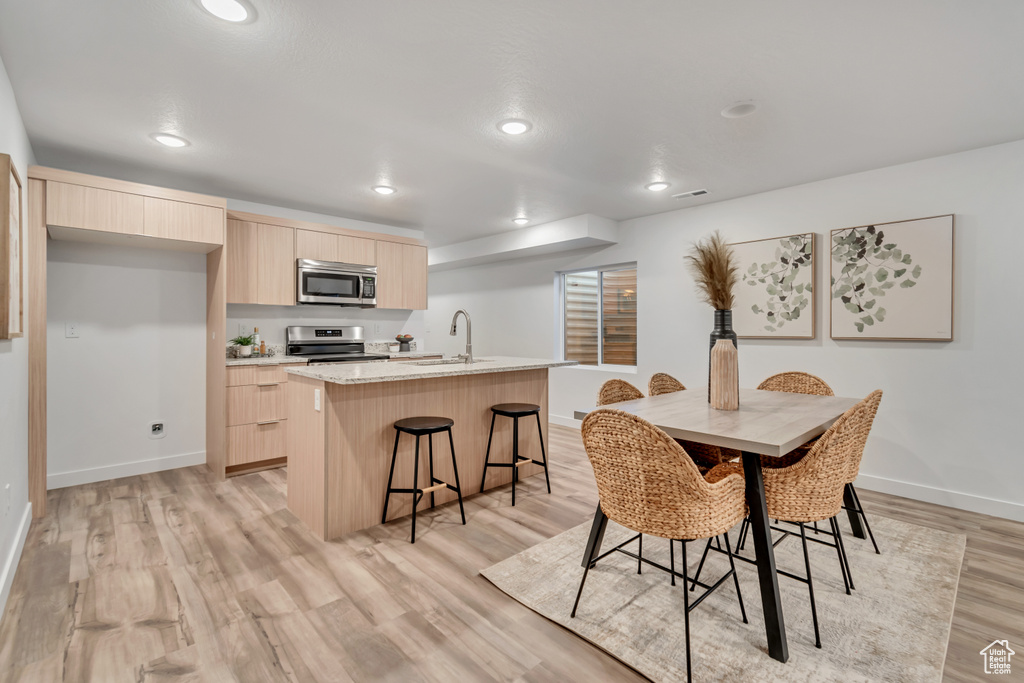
point(663, 383)
point(851, 476)
point(705, 455)
point(795, 382)
point(647, 484)
point(811, 489)
point(617, 391)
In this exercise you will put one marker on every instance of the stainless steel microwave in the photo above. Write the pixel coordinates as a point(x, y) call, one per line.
point(340, 284)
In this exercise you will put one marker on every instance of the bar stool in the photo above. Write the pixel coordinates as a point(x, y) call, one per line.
point(419, 426)
point(515, 411)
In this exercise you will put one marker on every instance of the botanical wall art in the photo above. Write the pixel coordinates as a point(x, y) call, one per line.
point(775, 298)
point(893, 280)
point(11, 244)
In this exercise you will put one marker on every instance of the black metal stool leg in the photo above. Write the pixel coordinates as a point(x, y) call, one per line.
point(455, 469)
point(544, 454)
point(672, 561)
point(430, 457)
point(640, 555)
point(735, 578)
point(391, 474)
point(864, 518)
point(810, 587)
point(686, 615)
point(415, 487)
point(700, 565)
point(846, 558)
point(487, 458)
point(833, 523)
point(515, 457)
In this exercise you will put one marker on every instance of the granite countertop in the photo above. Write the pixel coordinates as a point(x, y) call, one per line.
point(265, 360)
point(368, 373)
point(408, 354)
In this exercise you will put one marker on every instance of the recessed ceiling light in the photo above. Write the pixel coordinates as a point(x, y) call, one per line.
point(228, 10)
point(514, 126)
point(522, 220)
point(658, 186)
point(738, 110)
point(384, 189)
point(168, 140)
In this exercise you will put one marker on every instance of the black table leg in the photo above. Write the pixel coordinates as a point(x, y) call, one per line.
point(596, 536)
point(851, 511)
point(771, 601)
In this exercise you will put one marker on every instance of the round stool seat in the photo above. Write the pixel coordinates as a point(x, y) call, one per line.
point(424, 425)
point(516, 409)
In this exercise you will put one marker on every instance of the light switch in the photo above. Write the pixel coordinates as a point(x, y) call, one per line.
point(71, 330)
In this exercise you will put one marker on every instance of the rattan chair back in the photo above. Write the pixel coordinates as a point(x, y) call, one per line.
point(797, 383)
point(647, 483)
point(811, 489)
point(872, 401)
point(616, 391)
point(662, 383)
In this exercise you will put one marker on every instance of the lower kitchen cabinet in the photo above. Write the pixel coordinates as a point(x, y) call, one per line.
point(257, 417)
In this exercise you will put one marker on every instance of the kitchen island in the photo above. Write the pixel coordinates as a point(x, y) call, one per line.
point(341, 433)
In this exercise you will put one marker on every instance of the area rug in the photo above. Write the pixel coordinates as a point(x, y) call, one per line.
point(894, 627)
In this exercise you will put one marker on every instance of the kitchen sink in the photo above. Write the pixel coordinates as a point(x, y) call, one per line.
point(449, 361)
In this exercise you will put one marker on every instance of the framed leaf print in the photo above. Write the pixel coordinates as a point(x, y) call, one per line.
point(893, 281)
point(775, 296)
point(11, 244)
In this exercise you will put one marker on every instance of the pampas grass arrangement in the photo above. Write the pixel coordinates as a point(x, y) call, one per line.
point(714, 269)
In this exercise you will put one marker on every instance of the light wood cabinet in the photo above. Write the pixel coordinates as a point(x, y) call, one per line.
point(319, 246)
point(257, 416)
point(357, 250)
point(92, 208)
point(261, 264)
point(275, 270)
point(242, 252)
point(174, 220)
point(401, 276)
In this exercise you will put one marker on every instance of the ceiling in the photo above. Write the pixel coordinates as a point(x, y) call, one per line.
point(317, 100)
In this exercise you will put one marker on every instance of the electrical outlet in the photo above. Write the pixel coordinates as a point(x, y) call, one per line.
point(316, 400)
point(156, 430)
point(71, 330)
point(377, 328)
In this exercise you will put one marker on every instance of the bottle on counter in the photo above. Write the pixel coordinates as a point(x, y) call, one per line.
point(263, 348)
point(256, 338)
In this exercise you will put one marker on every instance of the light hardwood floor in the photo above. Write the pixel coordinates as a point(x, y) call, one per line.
point(177, 577)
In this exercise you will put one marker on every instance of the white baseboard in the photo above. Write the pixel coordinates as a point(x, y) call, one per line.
point(953, 499)
point(59, 480)
point(13, 557)
point(564, 421)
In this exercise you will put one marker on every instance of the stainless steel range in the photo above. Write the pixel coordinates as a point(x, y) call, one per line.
point(328, 344)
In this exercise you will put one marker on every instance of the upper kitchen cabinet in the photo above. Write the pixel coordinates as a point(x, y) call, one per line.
point(103, 205)
point(325, 246)
point(401, 275)
point(261, 264)
point(93, 208)
point(183, 221)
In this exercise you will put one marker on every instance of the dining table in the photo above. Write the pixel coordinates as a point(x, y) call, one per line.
point(767, 423)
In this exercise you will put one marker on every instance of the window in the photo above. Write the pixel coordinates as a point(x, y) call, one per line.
point(599, 315)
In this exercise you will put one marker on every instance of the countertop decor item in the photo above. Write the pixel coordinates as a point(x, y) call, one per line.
point(244, 345)
point(715, 271)
point(404, 340)
point(725, 376)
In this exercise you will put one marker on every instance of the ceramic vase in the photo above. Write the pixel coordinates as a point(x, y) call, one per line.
point(723, 330)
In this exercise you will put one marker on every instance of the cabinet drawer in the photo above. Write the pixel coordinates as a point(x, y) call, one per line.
point(241, 374)
point(243, 404)
point(272, 402)
point(256, 442)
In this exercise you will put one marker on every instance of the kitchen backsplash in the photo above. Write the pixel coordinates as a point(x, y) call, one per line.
point(379, 325)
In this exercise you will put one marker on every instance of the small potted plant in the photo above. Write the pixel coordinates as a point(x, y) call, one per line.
point(243, 345)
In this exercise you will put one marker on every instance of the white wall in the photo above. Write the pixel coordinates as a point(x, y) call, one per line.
point(140, 357)
point(15, 513)
point(943, 430)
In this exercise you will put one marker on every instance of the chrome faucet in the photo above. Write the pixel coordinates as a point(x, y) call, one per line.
point(468, 356)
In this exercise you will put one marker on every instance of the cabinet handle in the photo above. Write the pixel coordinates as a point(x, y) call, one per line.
point(268, 384)
point(268, 422)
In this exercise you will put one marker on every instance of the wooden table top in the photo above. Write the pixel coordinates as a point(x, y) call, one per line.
point(768, 422)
